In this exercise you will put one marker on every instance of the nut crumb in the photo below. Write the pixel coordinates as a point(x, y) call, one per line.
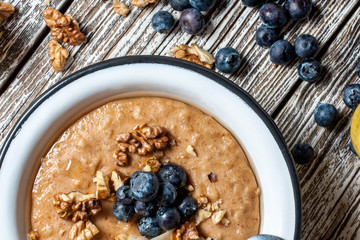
point(83, 231)
point(33, 235)
point(121, 8)
point(194, 54)
point(191, 150)
point(46, 3)
point(164, 236)
point(58, 55)
point(218, 216)
point(124, 236)
point(225, 222)
point(212, 177)
point(142, 3)
point(186, 231)
point(201, 216)
point(6, 9)
point(150, 165)
point(102, 186)
point(189, 188)
point(116, 180)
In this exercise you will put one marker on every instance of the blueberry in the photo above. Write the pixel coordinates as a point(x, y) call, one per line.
point(306, 46)
point(144, 186)
point(162, 22)
point(173, 174)
point(167, 194)
point(202, 5)
point(168, 218)
point(310, 70)
point(351, 95)
point(252, 3)
point(179, 5)
point(325, 114)
point(281, 52)
point(303, 153)
point(273, 15)
point(227, 60)
point(264, 237)
point(358, 69)
point(351, 146)
point(123, 195)
point(149, 227)
point(265, 37)
point(298, 9)
point(187, 207)
point(145, 209)
point(123, 212)
point(192, 21)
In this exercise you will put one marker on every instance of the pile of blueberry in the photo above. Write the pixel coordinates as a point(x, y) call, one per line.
point(159, 201)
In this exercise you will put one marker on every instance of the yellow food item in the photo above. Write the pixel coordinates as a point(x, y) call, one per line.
point(355, 130)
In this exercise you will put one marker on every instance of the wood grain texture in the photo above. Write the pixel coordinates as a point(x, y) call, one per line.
point(330, 185)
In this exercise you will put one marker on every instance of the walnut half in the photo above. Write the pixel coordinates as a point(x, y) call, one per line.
point(186, 231)
point(6, 9)
point(76, 205)
point(194, 54)
point(83, 231)
point(58, 55)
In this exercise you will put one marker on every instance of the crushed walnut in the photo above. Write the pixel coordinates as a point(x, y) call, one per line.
point(186, 231)
point(212, 177)
point(121, 8)
point(116, 180)
point(218, 216)
point(76, 205)
point(164, 236)
point(46, 3)
point(63, 27)
point(143, 140)
point(6, 9)
point(58, 55)
point(150, 165)
point(142, 3)
point(33, 235)
point(191, 150)
point(124, 236)
point(194, 54)
point(102, 186)
point(201, 216)
point(189, 188)
point(83, 231)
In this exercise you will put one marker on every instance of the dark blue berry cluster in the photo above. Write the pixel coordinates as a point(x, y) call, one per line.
point(159, 200)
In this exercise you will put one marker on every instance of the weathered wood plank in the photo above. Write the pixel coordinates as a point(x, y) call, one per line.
point(20, 32)
point(330, 185)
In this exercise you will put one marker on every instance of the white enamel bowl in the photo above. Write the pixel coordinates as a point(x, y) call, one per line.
point(124, 77)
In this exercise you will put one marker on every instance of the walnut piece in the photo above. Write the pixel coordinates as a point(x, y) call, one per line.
point(121, 8)
point(143, 140)
point(63, 27)
point(194, 54)
point(102, 186)
point(186, 231)
point(212, 177)
point(116, 180)
point(33, 235)
point(124, 236)
point(201, 216)
point(142, 3)
point(83, 231)
point(76, 205)
point(191, 150)
point(218, 216)
point(58, 55)
point(6, 9)
point(150, 165)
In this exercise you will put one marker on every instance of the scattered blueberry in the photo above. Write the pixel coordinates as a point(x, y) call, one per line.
point(192, 21)
point(168, 218)
point(144, 186)
point(351, 95)
point(187, 207)
point(351, 146)
point(145, 209)
point(306, 46)
point(149, 227)
point(174, 174)
point(167, 194)
point(252, 3)
point(298, 9)
point(162, 22)
point(303, 153)
point(310, 70)
point(282, 52)
point(264, 237)
point(123, 195)
point(273, 15)
point(358, 69)
point(123, 212)
point(325, 114)
point(265, 37)
point(227, 60)
point(202, 5)
point(179, 5)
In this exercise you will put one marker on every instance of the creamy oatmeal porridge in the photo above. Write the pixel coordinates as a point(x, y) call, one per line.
point(216, 166)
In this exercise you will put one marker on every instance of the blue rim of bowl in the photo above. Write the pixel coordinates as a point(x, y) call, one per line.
point(183, 64)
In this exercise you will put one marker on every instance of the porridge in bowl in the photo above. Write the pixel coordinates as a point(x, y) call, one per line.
point(82, 188)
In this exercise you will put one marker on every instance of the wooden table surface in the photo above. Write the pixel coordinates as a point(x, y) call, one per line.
point(330, 185)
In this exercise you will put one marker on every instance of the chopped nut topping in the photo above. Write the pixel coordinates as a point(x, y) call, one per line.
point(117, 181)
point(201, 216)
point(165, 236)
point(150, 165)
point(63, 27)
point(76, 205)
point(83, 231)
point(121, 236)
point(218, 216)
point(212, 177)
point(124, 236)
point(186, 231)
point(142, 3)
point(202, 201)
point(225, 222)
point(121, 8)
point(46, 3)
point(122, 158)
point(191, 150)
point(6, 9)
point(102, 186)
point(189, 188)
point(194, 54)
point(33, 235)
point(143, 140)
point(58, 55)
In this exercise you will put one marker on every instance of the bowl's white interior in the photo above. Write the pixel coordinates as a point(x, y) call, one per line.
point(21, 160)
